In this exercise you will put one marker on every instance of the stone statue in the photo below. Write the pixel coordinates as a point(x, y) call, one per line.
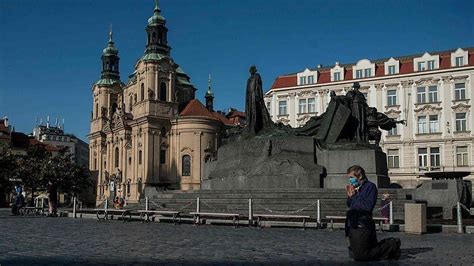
point(257, 114)
point(376, 120)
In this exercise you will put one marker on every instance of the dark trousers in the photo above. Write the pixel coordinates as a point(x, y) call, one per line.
point(365, 246)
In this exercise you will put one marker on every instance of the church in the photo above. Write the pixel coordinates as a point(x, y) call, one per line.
point(150, 132)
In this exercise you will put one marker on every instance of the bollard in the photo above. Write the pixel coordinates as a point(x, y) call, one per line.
point(391, 212)
point(318, 217)
point(198, 208)
point(250, 212)
point(74, 207)
point(146, 208)
point(458, 207)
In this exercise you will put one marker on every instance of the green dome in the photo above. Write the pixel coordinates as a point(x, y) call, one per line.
point(110, 49)
point(157, 18)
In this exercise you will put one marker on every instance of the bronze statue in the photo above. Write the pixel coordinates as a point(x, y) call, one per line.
point(257, 114)
point(359, 113)
point(376, 120)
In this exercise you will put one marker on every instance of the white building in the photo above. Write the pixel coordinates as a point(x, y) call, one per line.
point(431, 91)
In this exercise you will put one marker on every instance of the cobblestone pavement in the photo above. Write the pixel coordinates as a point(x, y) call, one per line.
point(42, 240)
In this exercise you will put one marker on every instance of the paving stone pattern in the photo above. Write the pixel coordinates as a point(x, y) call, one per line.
point(43, 240)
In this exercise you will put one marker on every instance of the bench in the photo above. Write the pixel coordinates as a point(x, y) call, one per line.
point(332, 218)
point(145, 215)
point(105, 212)
point(31, 210)
point(198, 215)
point(280, 216)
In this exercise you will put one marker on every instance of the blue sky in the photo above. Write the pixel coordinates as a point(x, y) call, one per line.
point(50, 50)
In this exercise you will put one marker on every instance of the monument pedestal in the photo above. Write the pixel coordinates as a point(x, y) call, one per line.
point(264, 162)
point(336, 162)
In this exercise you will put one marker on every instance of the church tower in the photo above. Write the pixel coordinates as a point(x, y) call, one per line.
point(157, 41)
point(107, 98)
point(209, 97)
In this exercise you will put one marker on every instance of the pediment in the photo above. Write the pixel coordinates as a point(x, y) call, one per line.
point(428, 108)
point(461, 107)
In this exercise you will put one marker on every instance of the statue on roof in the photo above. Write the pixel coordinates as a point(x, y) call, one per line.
point(257, 116)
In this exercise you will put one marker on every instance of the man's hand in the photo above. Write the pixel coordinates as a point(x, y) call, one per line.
point(350, 190)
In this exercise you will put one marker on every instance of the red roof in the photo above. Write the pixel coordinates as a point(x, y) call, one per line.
point(196, 108)
point(406, 66)
point(22, 141)
point(284, 81)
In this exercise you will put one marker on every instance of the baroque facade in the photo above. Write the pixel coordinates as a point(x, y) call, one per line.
point(431, 91)
point(149, 132)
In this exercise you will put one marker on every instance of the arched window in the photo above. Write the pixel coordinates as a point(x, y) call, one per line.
point(163, 91)
point(131, 104)
point(117, 157)
point(139, 157)
point(142, 92)
point(186, 165)
point(95, 164)
point(105, 165)
point(129, 160)
point(153, 37)
point(96, 110)
point(114, 107)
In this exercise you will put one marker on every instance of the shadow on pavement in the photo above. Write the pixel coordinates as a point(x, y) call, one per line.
point(408, 253)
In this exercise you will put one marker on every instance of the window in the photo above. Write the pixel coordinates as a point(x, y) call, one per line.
point(359, 74)
point(186, 165)
point(430, 64)
point(311, 105)
point(142, 92)
point(421, 66)
point(434, 159)
point(269, 107)
point(95, 164)
point(391, 97)
point(423, 159)
point(310, 79)
point(302, 106)
point(461, 156)
point(139, 157)
point(337, 76)
point(96, 110)
point(367, 72)
point(302, 80)
point(460, 91)
point(162, 156)
point(393, 159)
point(393, 131)
point(461, 122)
point(422, 125)
point(434, 124)
point(129, 160)
point(421, 95)
point(459, 61)
point(391, 70)
point(130, 108)
point(433, 94)
point(163, 92)
point(117, 159)
point(282, 108)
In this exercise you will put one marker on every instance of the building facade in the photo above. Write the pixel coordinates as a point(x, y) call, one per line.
point(150, 131)
point(431, 91)
point(54, 135)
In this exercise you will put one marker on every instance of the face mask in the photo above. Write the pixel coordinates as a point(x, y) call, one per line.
point(353, 181)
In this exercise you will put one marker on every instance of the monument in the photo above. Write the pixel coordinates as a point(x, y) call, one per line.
point(265, 155)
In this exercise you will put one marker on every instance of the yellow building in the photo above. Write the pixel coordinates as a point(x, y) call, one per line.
point(150, 132)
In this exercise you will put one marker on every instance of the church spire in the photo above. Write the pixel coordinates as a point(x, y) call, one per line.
point(110, 60)
point(157, 32)
point(209, 96)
